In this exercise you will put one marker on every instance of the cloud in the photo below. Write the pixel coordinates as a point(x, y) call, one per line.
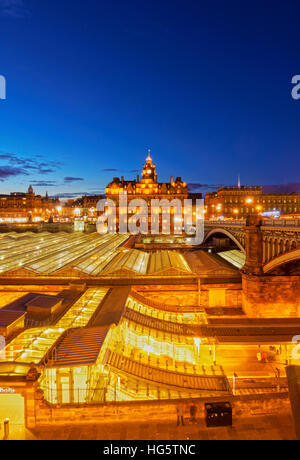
point(76, 194)
point(69, 179)
point(120, 170)
point(46, 171)
point(46, 183)
point(10, 171)
point(289, 187)
point(198, 186)
point(24, 165)
point(96, 191)
point(12, 8)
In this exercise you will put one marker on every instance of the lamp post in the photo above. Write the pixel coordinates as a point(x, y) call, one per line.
point(197, 342)
point(6, 428)
point(277, 376)
point(234, 378)
point(214, 354)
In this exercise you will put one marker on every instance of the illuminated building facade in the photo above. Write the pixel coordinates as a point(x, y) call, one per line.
point(148, 188)
point(238, 202)
point(145, 187)
point(26, 207)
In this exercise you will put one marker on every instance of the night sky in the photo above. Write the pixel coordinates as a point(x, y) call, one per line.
point(92, 84)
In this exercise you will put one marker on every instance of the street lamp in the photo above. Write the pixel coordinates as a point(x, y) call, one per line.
point(197, 343)
point(234, 378)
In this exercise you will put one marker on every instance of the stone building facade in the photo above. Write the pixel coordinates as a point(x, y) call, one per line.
point(238, 202)
point(19, 206)
point(148, 188)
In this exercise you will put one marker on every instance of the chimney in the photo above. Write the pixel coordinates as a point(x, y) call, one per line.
point(138, 178)
point(171, 179)
point(122, 178)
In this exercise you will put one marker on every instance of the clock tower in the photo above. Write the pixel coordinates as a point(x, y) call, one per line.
point(149, 175)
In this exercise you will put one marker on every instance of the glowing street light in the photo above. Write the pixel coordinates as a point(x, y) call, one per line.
point(197, 343)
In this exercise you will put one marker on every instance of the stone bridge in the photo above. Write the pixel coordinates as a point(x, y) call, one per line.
point(271, 274)
point(280, 239)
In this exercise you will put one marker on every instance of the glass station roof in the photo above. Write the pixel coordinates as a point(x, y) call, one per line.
point(46, 253)
point(32, 345)
point(235, 257)
point(92, 254)
point(81, 312)
point(163, 261)
point(16, 254)
point(131, 260)
point(83, 246)
point(94, 264)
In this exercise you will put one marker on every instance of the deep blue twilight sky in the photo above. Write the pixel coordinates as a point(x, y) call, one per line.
point(91, 84)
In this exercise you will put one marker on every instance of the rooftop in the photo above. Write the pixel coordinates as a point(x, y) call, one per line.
point(43, 301)
point(9, 317)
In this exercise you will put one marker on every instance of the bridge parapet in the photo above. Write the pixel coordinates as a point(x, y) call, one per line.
point(275, 223)
point(278, 236)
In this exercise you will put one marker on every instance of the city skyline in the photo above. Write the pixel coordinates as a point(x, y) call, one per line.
point(44, 187)
point(85, 101)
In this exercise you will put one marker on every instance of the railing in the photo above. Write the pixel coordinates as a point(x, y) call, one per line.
point(29, 323)
point(225, 223)
point(294, 223)
point(265, 223)
point(259, 383)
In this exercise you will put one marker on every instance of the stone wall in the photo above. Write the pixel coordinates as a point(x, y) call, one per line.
point(246, 405)
point(271, 296)
point(221, 295)
point(211, 295)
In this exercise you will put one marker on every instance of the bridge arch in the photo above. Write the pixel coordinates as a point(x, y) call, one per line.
point(282, 259)
point(226, 233)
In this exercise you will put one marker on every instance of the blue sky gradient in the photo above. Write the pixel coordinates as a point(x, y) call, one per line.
point(92, 84)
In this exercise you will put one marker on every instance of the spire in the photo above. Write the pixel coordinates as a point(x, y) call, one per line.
point(149, 159)
point(30, 189)
point(239, 181)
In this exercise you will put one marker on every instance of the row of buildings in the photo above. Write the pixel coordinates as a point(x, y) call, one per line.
point(240, 201)
point(19, 207)
point(227, 202)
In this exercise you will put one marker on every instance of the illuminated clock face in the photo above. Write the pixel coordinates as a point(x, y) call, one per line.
point(149, 171)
